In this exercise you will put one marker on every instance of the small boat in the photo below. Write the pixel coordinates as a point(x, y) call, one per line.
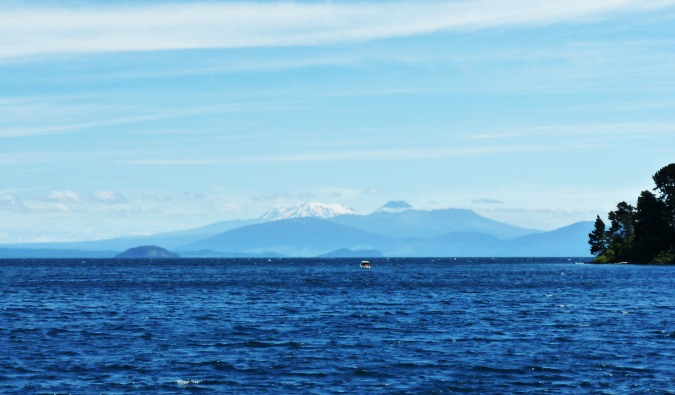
point(365, 265)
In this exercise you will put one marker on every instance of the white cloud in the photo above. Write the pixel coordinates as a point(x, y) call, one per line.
point(108, 197)
point(11, 203)
point(34, 30)
point(63, 196)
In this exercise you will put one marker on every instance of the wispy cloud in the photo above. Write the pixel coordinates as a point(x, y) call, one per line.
point(487, 201)
point(108, 197)
point(108, 120)
point(43, 30)
point(608, 131)
point(381, 154)
point(74, 127)
point(63, 196)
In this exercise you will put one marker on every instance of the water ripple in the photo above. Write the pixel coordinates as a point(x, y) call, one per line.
point(326, 327)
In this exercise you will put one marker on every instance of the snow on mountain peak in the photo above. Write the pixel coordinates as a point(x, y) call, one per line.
point(312, 209)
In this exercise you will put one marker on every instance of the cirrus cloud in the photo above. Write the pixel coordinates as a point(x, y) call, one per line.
point(44, 30)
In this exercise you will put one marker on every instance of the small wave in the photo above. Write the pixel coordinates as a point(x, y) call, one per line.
point(319, 375)
point(77, 369)
point(53, 332)
point(16, 368)
point(362, 372)
point(546, 369)
point(217, 365)
point(115, 367)
point(206, 317)
point(24, 331)
point(491, 369)
point(247, 330)
point(315, 281)
point(269, 344)
point(258, 344)
point(414, 366)
point(570, 325)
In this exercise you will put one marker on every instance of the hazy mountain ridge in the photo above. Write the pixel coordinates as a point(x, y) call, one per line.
point(316, 237)
point(294, 237)
point(423, 224)
point(396, 229)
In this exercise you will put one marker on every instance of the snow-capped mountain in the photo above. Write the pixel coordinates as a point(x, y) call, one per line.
point(395, 206)
point(313, 209)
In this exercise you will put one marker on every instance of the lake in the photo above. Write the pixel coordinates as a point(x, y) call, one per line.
point(325, 326)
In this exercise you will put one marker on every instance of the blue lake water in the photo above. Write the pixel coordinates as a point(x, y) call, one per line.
point(311, 326)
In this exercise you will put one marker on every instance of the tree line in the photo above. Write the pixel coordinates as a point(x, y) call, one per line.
point(644, 233)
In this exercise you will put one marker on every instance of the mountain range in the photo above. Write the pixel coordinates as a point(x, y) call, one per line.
point(314, 229)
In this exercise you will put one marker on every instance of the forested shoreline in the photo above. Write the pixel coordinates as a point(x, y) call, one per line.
point(644, 233)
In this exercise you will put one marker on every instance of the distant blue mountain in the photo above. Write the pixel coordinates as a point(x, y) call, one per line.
point(571, 240)
point(293, 237)
point(454, 244)
point(396, 229)
point(423, 224)
point(316, 237)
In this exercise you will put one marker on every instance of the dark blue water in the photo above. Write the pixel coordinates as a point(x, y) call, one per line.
point(413, 326)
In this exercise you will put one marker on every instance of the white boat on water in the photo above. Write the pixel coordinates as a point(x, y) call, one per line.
point(365, 265)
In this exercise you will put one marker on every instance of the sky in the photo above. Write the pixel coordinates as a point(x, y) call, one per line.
point(139, 117)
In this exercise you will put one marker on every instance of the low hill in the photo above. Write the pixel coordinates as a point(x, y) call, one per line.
point(147, 252)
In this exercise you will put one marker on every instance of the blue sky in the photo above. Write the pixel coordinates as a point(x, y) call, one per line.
point(136, 117)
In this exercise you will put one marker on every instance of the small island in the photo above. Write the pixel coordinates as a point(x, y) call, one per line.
point(147, 252)
point(644, 233)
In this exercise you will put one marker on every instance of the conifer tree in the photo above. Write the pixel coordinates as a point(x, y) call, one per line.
point(598, 238)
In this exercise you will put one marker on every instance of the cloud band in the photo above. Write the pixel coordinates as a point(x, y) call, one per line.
point(36, 31)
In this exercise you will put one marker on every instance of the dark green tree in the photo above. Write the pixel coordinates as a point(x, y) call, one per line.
point(645, 233)
point(622, 222)
point(621, 232)
point(598, 238)
point(665, 183)
point(652, 231)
